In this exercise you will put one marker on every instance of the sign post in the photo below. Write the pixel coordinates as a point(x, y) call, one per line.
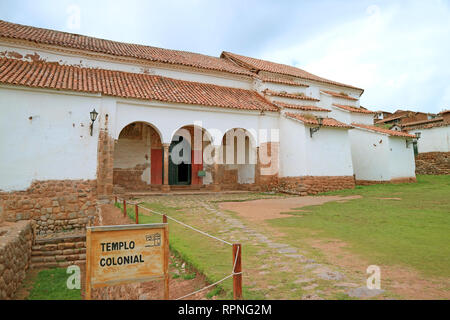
point(127, 253)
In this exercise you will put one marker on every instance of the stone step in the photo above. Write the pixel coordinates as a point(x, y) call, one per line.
point(58, 258)
point(61, 264)
point(37, 253)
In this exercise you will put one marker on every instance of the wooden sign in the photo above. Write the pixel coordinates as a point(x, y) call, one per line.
point(125, 254)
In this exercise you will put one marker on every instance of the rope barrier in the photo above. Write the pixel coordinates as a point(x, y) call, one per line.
point(215, 283)
point(188, 226)
point(182, 223)
point(233, 273)
point(207, 287)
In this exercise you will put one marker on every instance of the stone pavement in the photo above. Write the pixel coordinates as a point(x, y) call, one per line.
point(306, 278)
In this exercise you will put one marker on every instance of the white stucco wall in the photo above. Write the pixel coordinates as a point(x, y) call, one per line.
point(401, 159)
point(167, 118)
point(54, 144)
point(434, 139)
point(379, 157)
point(327, 153)
point(293, 160)
point(370, 155)
point(364, 118)
point(340, 115)
point(283, 87)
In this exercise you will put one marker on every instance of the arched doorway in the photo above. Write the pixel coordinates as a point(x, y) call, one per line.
point(180, 161)
point(138, 157)
point(186, 166)
point(239, 159)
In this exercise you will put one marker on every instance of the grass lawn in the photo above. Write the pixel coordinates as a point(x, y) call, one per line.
point(50, 284)
point(210, 257)
point(412, 230)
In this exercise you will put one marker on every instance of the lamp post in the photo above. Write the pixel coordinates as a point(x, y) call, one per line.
point(417, 134)
point(315, 129)
point(93, 115)
point(413, 141)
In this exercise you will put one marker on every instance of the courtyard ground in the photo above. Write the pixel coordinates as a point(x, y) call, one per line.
point(320, 247)
point(315, 247)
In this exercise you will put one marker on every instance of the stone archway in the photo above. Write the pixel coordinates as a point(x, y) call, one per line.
point(188, 144)
point(138, 158)
point(239, 159)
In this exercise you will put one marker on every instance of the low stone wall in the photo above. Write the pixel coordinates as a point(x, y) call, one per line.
point(16, 240)
point(433, 163)
point(55, 205)
point(315, 184)
point(397, 180)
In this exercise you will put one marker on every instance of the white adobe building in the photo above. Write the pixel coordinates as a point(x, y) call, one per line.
point(297, 129)
point(434, 133)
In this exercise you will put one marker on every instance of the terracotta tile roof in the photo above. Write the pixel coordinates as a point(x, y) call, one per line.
point(408, 124)
point(428, 126)
point(268, 66)
point(299, 107)
point(382, 130)
point(75, 41)
point(282, 81)
point(445, 111)
point(393, 117)
point(288, 95)
point(354, 109)
point(339, 95)
point(128, 85)
point(425, 124)
point(327, 122)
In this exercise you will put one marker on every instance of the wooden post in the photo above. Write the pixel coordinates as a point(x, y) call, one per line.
point(237, 278)
point(164, 218)
point(124, 208)
point(115, 199)
point(166, 261)
point(136, 213)
point(165, 186)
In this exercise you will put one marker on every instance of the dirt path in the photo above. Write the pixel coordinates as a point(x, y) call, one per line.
point(402, 281)
point(405, 282)
point(264, 209)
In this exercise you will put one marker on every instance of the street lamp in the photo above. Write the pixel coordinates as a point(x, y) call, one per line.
point(315, 129)
point(93, 115)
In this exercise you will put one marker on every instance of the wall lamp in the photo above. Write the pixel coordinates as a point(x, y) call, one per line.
point(408, 142)
point(93, 115)
point(315, 129)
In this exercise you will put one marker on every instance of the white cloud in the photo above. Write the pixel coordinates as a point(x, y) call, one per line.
point(398, 53)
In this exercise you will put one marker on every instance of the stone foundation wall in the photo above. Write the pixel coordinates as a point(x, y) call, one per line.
point(16, 240)
point(315, 184)
point(433, 163)
point(105, 162)
point(397, 180)
point(54, 205)
point(131, 179)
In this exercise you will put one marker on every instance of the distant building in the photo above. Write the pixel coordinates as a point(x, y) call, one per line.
point(401, 117)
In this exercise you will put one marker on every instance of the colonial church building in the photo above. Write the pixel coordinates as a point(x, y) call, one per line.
point(83, 118)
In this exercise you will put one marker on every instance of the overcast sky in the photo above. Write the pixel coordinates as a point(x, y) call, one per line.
point(398, 51)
